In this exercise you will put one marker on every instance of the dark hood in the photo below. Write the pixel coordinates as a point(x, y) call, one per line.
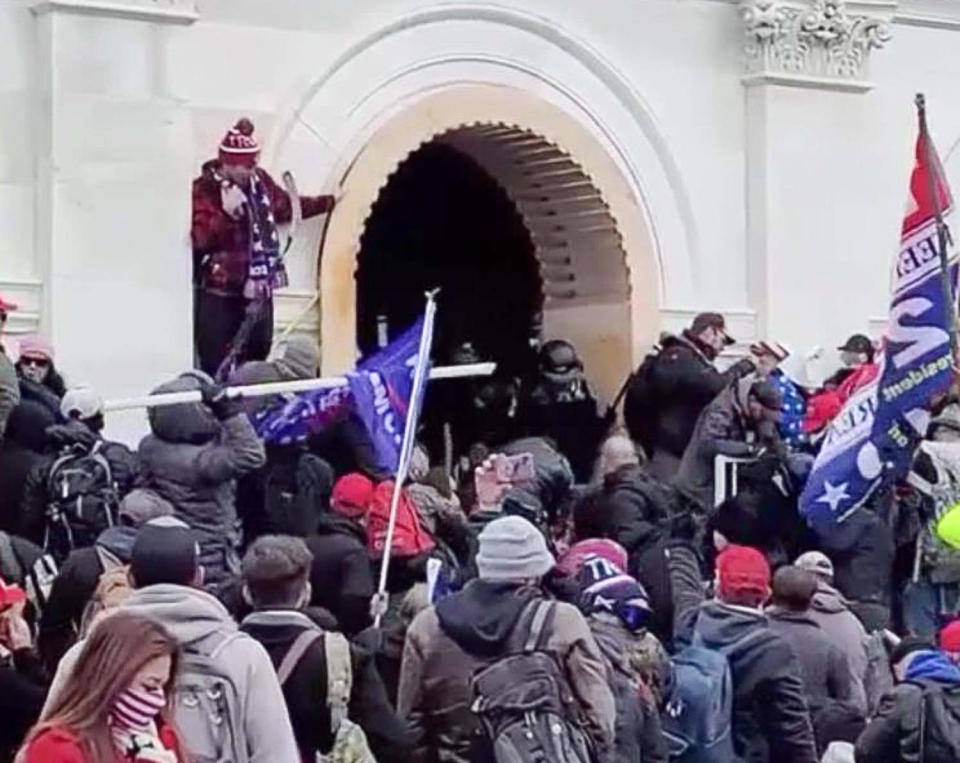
point(334, 524)
point(789, 616)
point(721, 625)
point(481, 617)
point(27, 425)
point(118, 541)
point(828, 599)
point(72, 433)
point(185, 422)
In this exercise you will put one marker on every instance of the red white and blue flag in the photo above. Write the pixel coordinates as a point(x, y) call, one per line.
point(871, 442)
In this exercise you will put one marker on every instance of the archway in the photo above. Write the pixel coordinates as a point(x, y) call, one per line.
point(595, 255)
point(443, 222)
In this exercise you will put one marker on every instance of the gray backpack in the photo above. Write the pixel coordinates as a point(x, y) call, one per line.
point(526, 708)
point(207, 703)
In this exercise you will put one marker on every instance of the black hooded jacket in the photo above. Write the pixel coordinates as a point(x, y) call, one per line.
point(306, 690)
point(341, 576)
point(681, 383)
point(771, 719)
point(21, 451)
point(482, 616)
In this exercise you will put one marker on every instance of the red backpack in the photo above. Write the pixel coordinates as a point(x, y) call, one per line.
point(409, 537)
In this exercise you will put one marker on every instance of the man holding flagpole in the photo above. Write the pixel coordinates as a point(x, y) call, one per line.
point(871, 442)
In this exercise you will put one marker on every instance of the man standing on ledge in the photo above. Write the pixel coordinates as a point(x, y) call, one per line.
point(237, 258)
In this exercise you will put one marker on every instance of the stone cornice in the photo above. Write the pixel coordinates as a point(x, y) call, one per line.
point(938, 14)
point(814, 43)
point(156, 11)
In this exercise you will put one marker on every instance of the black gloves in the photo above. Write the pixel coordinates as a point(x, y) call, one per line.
point(214, 396)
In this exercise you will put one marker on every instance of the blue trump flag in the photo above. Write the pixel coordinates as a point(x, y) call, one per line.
point(382, 388)
point(871, 441)
point(379, 391)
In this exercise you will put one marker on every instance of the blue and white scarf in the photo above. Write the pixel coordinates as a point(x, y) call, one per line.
point(266, 271)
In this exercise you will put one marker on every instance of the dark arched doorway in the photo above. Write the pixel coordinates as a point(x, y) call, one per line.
point(442, 221)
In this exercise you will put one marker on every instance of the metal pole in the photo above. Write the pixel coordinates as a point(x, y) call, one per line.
point(379, 603)
point(276, 388)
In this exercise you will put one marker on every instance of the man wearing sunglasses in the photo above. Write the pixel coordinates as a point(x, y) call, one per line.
point(9, 387)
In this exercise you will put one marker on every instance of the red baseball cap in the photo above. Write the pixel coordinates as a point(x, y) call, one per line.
point(351, 495)
point(742, 568)
point(950, 637)
point(6, 307)
point(10, 594)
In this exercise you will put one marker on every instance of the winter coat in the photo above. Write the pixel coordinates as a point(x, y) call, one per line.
point(826, 671)
point(192, 460)
point(76, 435)
point(553, 478)
point(670, 573)
point(830, 611)
point(9, 390)
point(436, 512)
point(771, 719)
point(721, 429)
point(23, 685)
point(862, 550)
point(43, 394)
point(632, 509)
point(682, 382)
point(638, 734)
point(894, 734)
point(299, 359)
point(306, 690)
point(221, 244)
point(21, 452)
point(193, 618)
point(73, 588)
point(341, 576)
point(446, 644)
point(59, 745)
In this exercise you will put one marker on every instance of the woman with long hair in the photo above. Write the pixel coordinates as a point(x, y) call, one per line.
point(115, 706)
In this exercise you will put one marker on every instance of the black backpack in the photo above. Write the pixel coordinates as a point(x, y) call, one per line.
point(525, 706)
point(939, 726)
point(82, 500)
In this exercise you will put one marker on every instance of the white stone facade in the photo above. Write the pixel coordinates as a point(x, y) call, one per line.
point(753, 155)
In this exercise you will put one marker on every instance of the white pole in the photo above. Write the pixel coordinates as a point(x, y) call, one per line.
point(276, 388)
point(378, 605)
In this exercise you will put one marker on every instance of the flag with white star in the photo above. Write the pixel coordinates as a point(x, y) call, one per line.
point(871, 441)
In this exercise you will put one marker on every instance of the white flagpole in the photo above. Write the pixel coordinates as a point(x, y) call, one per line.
point(378, 605)
point(277, 388)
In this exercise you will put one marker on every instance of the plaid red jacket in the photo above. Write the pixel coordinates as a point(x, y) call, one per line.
point(221, 245)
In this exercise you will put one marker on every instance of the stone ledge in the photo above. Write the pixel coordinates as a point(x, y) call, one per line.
point(174, 12)
point(26, 294)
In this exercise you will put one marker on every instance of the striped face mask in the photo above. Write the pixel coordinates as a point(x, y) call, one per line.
point(136, 708)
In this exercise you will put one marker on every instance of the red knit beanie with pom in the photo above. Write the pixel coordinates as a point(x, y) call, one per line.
point(239, 146)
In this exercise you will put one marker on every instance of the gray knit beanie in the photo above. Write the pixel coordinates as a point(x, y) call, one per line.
point(513, 549)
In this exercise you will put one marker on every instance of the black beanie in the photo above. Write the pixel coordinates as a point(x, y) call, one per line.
point(165, 551)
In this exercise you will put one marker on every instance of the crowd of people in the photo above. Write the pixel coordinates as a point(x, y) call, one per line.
point(208, 597)
point(560, 587)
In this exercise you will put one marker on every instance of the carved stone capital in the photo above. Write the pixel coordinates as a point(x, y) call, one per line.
point(813, 43)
